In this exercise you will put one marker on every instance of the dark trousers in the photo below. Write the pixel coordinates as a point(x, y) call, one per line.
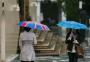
point(27, 61)
point(72, 57)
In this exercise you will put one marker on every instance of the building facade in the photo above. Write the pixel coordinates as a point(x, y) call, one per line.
point(9, 30)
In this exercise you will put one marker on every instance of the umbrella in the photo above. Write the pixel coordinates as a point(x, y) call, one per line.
point(42, 27)
point(72, 24)
point(33, 25)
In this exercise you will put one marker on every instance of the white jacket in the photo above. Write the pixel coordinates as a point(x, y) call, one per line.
point(27, 39)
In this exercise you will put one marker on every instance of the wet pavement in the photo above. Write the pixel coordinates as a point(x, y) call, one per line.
point(62, 58)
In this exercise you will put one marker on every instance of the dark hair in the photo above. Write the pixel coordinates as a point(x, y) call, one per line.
point(69, 30)
point(27, 29)
point(28, 18)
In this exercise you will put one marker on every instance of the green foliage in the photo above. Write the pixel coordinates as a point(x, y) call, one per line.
point(72, 9)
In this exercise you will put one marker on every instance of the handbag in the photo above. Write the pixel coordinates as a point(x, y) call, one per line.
point(80, 51)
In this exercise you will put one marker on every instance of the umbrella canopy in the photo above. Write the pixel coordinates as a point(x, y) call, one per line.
point(72, 24)
point(33, 25)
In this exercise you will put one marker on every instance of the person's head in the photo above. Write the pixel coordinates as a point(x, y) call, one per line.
point(29, 18)
point(69, 30)
point(27, 29)
point(75, 31)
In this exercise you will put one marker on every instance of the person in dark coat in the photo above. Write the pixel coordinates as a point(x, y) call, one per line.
point(71, 41)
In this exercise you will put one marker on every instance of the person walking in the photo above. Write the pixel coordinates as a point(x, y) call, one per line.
point(71, 41)
point(26, 43)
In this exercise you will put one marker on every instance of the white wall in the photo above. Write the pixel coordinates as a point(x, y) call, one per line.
point(11, 18)
point(33, 9)
point(0, 27)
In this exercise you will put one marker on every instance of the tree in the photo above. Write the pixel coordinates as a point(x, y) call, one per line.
point(72, 9)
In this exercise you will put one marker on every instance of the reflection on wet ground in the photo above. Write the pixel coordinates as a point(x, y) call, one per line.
point(62, 58)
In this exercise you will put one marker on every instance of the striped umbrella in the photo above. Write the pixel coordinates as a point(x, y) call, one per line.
point(33, 25)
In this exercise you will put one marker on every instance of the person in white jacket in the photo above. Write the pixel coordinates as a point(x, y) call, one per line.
point(26, 43)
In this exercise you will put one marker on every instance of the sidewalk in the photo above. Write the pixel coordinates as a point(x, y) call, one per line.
point(63, 58)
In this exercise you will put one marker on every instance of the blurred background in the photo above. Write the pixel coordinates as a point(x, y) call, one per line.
point(49, 12)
